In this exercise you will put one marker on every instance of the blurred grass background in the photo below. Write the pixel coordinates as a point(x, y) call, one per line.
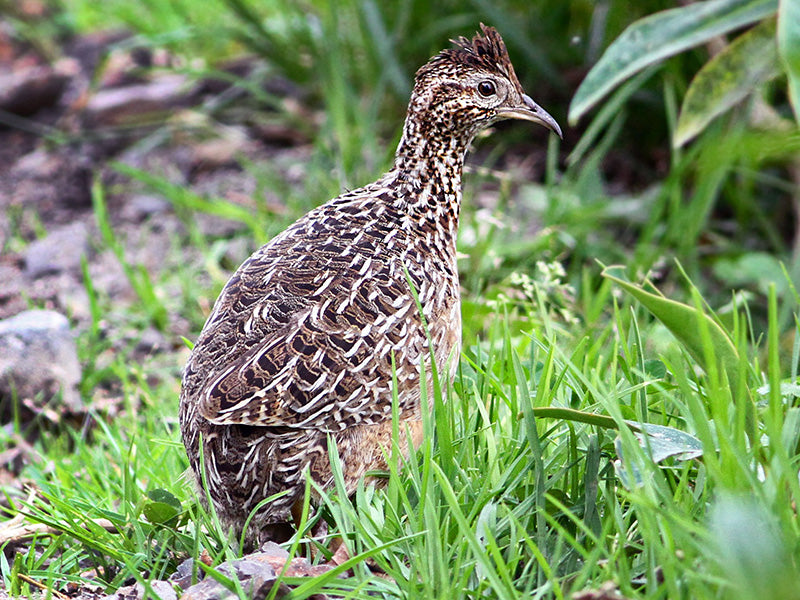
point(498, 502)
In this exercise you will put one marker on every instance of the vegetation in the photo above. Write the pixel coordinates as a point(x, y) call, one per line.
point(598, 429)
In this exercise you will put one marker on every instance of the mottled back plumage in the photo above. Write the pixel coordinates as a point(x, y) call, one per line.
point(301, 342)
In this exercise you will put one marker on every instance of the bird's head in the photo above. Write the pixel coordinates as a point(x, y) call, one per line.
point(469, 87)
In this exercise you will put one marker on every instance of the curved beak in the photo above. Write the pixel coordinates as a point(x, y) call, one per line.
point(530, 111)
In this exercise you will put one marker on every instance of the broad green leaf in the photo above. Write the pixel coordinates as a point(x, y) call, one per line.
point(629, 474)
point(758, 269)
point(659, 36)
point(661, 443)
point(668, 441)
point(161, 495)
point(159, 513)
point(684, 323)
point(789, 48)
point(162, 506)
point(655, 368)
point(728, 78)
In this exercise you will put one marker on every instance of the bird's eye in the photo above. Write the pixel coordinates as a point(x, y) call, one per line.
point(486, 88)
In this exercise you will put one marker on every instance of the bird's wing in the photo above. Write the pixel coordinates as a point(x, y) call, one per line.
point(307, 340)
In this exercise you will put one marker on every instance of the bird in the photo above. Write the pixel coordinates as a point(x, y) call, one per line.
point(314, 332)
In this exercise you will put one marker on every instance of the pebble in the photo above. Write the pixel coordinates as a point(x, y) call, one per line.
point(255, 577)
point(39, 358)
point(257, 574)
point(121, 105)
point(59, 251)
point(142, 206)
point(182, 577)
point(161, 590)
point(151, 341)
point(26, 90)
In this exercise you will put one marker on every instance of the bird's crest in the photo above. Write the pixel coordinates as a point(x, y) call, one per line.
point(485, 51)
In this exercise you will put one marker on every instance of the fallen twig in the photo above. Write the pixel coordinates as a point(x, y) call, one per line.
point(41, 586)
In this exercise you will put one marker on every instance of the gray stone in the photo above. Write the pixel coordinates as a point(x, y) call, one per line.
point(59, 251)
point(38, 358)
point(161, 590)
point(126, 104)
point(274, 550)
point(151, 341)
point(25, 91)
point(182, 577)
point(140, 207)
point(255, 576)
point(164, 590)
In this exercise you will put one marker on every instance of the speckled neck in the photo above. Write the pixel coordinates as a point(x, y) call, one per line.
point(433, 141)
point(429, 163)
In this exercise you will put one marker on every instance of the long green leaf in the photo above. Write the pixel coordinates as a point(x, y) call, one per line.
point(579, 416)
point(467, 532)
point(695, 330)
point(727, 79)
point(789, 48)
point(660, 36)
point(685, 322)
point(180, 196)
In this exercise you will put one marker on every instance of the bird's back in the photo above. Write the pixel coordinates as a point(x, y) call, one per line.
point(309, 334)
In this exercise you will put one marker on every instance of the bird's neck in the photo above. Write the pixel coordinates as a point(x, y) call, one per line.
point(427, 158)
point(429, 164)
point(431, 147)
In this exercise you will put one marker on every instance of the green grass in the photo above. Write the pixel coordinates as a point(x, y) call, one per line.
point(497, 500)
point(534, 479)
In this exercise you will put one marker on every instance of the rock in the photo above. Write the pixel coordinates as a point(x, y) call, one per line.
point(90, 48)
point(237, 250)
point(256, 577)
point(30, 89)
point(151, 341)
point(126, 105)
point(279, 133)
point(74, 301)
point(39, 358)
point(182, 577)
point(108, 275)
point(164, 590)
point(220, 152)
point(39, 162)
point(59, 251)
point(161, 590)
point(138, 208)
point(274, 550)
point(257, 573)
point(50, 179)
point(607, 591)
point(13, 282)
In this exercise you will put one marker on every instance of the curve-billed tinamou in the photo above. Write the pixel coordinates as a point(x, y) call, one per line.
point(300, 345)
